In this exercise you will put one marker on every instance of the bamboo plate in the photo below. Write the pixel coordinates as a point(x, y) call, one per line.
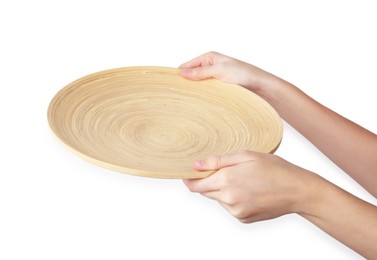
point(149, 121)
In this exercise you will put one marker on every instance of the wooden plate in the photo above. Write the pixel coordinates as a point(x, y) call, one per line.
point(149, 121)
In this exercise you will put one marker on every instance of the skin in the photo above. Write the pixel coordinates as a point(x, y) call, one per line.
point(266, 186)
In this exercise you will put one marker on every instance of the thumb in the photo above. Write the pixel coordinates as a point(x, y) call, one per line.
point(198, 73)
point(225, 160)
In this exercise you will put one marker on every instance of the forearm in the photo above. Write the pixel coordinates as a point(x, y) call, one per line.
point(345, 217)
point(351, 147)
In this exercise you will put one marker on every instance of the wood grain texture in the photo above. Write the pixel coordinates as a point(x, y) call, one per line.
point(149, 121)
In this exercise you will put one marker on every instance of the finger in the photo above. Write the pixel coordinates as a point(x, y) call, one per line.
point(199, 73)
point(200, 61)
point(225, 206)
point(204, 185)
point(197, 62)
point(213, 195)
point(241, 216)
point(221, 161)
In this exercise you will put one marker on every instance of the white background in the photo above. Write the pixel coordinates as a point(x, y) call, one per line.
point(53, 205)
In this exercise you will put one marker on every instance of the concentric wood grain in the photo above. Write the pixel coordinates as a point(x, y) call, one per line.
point(149, 121)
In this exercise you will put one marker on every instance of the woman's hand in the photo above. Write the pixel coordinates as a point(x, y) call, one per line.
point(255, 186)
point(227, 69)
point(348, 145)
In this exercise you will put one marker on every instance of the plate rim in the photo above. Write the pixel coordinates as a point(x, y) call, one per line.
point(147, 173)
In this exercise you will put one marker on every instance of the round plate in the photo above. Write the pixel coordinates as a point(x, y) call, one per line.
point(149, 121)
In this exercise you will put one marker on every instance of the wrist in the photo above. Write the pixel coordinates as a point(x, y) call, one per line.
point(271, 88)
point(314, 197)
point(310, 194)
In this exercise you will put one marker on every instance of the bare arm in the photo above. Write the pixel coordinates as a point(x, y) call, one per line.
point(254, 186)
point(351, 147)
